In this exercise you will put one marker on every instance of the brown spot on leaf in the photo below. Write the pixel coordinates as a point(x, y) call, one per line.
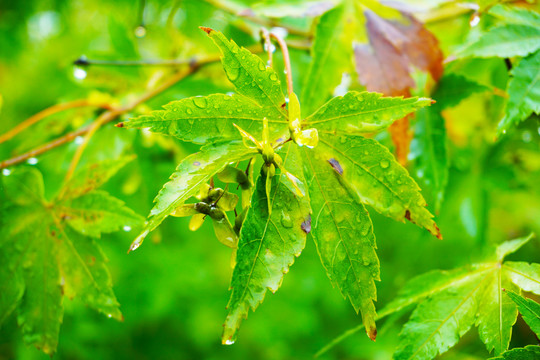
point(306, 225)
point(408, 215)
point(120, 125)
point(206, 29)
point(372, 334)
point(53, 233)
point(336, 166)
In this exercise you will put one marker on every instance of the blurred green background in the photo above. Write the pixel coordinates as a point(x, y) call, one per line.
point(174, 290)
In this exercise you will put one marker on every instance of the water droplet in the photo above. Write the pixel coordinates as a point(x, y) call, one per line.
point(366, 261)
point(200, 102)
point(189, 111)
point(475, 20)
point(79, 73)
point(384, 164)
point(526, 136)
point(109, 316)
point(32, 161)
point(6, 172)
point(79, 140)
point(191, 121)
point(261, 66)
point(365, 230)
point(229, 342)
point(273, 77)
point(234, 49)
point(126, 228)
point(140, 31)
point(286, 220)
point(233, 73)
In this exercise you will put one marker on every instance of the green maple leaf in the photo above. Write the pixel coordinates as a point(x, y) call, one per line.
point(529, 309)
point(330, 181)
point(48, 249)
point(518, 34)
point(523, 91)
point(450, 303)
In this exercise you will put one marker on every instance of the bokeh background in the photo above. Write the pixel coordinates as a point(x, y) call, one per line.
point(173, 290)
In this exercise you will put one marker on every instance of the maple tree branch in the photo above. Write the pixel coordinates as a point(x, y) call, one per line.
point(112, 114)
point(83, 61)
point(286, 60)
point(247, 14)
point(48, 112)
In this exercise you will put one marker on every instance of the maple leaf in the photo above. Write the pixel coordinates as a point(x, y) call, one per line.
point(48, 249)
point(450, 303)
point(337, 171)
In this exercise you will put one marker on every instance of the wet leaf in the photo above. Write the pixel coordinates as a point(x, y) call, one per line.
point(378, 180)
point(361, 113)
point(343, 232)
point(451, 302)
point(44, 258)
point(268, 244)
point(249, 74)
point(192, 173)
point(209, 119)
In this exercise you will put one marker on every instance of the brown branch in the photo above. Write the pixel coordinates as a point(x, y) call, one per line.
point(111, 115)
point(286, 60)
point(108, 116)
point(48, 112)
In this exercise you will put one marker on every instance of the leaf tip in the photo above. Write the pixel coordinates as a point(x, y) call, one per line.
point(372, 333)
point(206, 29)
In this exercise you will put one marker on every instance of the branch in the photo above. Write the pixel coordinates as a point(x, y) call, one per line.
point(111, 115)
point(286, 60)
point(48, 112)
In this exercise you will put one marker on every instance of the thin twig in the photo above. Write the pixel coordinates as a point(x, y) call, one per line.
point(286, 60)
point(112, 114)
point(48, 112)
point(83, 61)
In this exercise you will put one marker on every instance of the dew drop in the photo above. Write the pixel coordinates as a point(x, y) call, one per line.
point(78, 140)
point(189, 111)
point(126, 228)
point(32, 161)
point(109, 316)
point(286, 220)
point(366, 261)
point(384, 164)
point(261, 66)
point(79, 73)
point(273, 77)
point(233, 73)
point(6, 172)
point(200, 102)
point(140, 31)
